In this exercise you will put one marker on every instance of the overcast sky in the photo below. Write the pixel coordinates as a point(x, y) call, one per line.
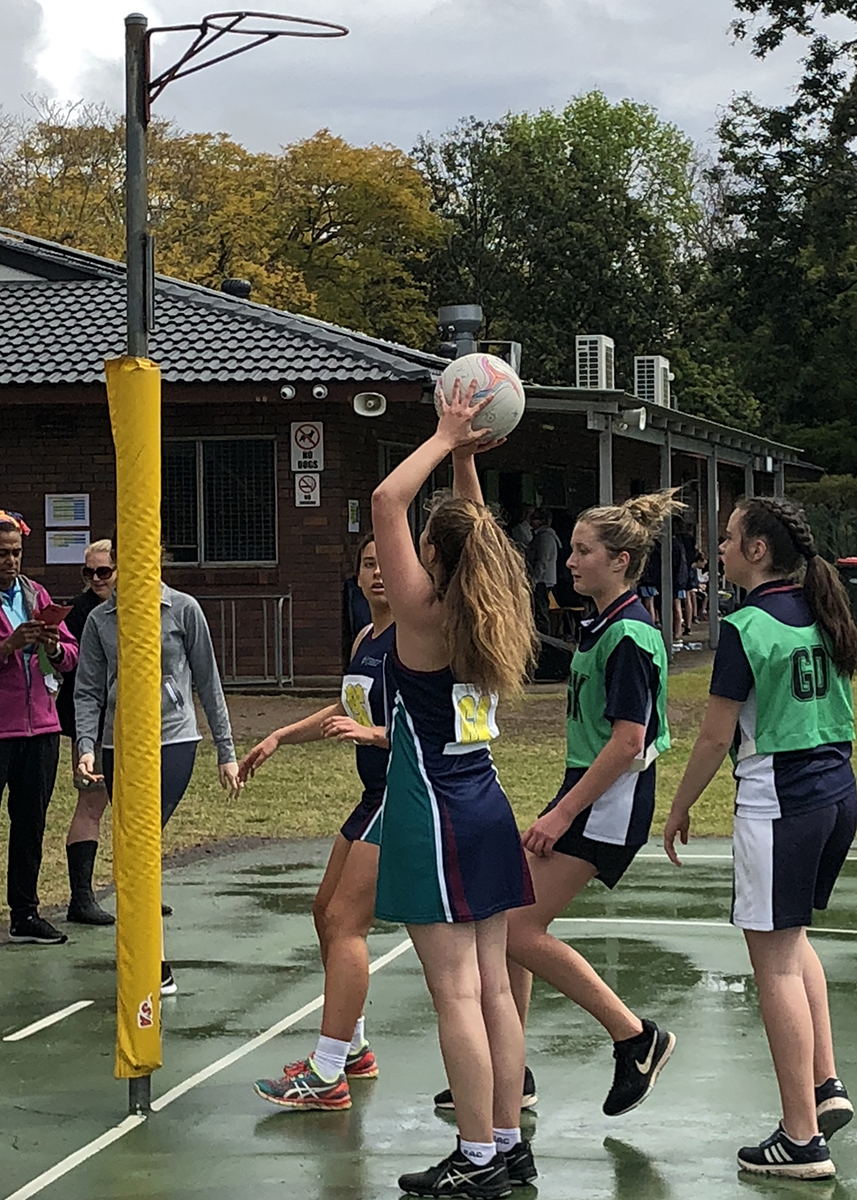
point(407, 67)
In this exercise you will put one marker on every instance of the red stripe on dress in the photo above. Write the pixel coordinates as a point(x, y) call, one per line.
point(455, 882)
point(527, 881)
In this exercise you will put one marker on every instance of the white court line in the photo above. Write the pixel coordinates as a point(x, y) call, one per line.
point(132, 1122)
point(74, 1160)
point(262, 1038)
point(38, 1026)
point(689, 858)
point(677, 923)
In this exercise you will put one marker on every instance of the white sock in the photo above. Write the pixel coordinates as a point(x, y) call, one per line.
point(505, 1139)
point(329, 1057)
point(797, 1141)
point(479, 1153)
point(359, 1035)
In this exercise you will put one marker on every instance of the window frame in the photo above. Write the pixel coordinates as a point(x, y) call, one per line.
point(201, 561)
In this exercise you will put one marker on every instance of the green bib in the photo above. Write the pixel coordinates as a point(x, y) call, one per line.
point(801, 699)
point(589, 731)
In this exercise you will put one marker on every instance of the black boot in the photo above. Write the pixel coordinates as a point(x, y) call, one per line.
point(84, 909)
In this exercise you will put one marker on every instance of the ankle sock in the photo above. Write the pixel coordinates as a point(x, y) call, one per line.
point(797, 1141)
point(359, 1037)
point(505, 1139)
point(329, 1057)
point(479, 1153)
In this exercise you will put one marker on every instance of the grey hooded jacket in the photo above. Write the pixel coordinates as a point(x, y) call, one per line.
point(187, 664)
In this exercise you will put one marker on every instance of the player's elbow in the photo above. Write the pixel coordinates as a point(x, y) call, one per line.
point(630, 742)
point(382, 500)
point(715, 743)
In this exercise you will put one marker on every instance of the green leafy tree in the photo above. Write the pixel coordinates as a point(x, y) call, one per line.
point(583, 220)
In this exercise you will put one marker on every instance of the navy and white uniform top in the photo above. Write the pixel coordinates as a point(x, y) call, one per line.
point(363, 698)
point(780, 782)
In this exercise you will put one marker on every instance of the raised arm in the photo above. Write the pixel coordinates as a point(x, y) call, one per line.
point(408, 585)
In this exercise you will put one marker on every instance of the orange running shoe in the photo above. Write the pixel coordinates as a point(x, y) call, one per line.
point(361, 1064)
point(304, 1088)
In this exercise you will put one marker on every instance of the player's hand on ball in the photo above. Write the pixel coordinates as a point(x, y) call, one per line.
point(678, 825)
point(251, 762)
point(543, 833)
point(454, 424)
point(230, 779)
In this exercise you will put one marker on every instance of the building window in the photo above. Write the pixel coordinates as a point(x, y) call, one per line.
point(219, 501)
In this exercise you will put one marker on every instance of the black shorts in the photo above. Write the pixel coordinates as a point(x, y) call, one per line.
point(610, 861)
point(786, 866)
point(177, 759)
point(357, 824)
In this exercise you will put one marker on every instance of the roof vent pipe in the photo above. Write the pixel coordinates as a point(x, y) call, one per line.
point(459, 324)
point(237, 287)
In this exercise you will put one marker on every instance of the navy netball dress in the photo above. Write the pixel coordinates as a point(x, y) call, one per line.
point(363, 700)
point(450, 848)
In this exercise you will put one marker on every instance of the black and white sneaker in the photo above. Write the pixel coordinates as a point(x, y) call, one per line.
point(36, 930)
point(521, 1165)
point(529, 1099)
point(458, 1176)
point(169, 987)
point(778, 1155)
point(832, 1106)
point(639, 1061)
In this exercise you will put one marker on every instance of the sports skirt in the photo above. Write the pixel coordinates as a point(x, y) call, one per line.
point(450, 847)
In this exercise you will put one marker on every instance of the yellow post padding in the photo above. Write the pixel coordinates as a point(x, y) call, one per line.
point(134, 393)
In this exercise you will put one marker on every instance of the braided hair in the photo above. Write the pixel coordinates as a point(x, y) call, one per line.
point(784, 528)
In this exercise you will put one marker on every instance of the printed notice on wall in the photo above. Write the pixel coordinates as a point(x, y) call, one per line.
point(353, 516)
point(67, 510)
point(307, 491)
point(307, 439)
point(66, 545)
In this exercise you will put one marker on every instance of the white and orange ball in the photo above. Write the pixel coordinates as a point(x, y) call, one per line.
point(494, 378)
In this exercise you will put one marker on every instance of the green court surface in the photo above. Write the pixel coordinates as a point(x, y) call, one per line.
point(244, 953)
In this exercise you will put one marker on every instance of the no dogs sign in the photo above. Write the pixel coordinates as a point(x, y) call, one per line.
point(307, 490)
point(307, 442)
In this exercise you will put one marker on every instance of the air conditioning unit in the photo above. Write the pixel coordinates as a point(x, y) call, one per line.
point(510, 352)
point(595, 354)
point(652, 377)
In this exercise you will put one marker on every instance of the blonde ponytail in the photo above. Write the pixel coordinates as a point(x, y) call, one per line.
point(634, 526)
point(488, 623)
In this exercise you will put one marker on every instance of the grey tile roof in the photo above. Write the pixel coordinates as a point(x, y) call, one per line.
point(60, 331)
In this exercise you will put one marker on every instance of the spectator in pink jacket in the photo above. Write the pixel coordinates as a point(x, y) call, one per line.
point(32, 654)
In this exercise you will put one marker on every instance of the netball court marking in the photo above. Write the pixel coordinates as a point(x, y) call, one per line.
point(45, 1022)
point(133, 1122)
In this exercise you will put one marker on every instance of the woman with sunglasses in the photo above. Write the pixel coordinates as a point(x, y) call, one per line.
point(99, 578)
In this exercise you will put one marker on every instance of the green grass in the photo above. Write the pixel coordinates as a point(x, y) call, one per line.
point(307, 791)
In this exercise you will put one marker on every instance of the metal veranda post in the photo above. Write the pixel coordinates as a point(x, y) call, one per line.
point(136, 180)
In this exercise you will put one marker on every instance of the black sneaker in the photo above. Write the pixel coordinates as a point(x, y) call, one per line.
point(458, 1176)
point(521, 1165)
point(832, 1106)
point(35, 929)
point(529, 1099)
point(639, 1061)
point(778, 1155)
point(169, 987)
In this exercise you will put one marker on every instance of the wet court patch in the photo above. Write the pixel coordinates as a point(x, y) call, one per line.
point(243, 950)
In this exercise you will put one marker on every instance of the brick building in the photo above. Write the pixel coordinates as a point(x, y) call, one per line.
point(236, 377)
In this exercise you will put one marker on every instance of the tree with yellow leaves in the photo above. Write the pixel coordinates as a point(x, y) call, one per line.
point(323, 227)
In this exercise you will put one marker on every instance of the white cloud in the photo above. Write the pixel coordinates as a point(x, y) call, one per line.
point(414, 65)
